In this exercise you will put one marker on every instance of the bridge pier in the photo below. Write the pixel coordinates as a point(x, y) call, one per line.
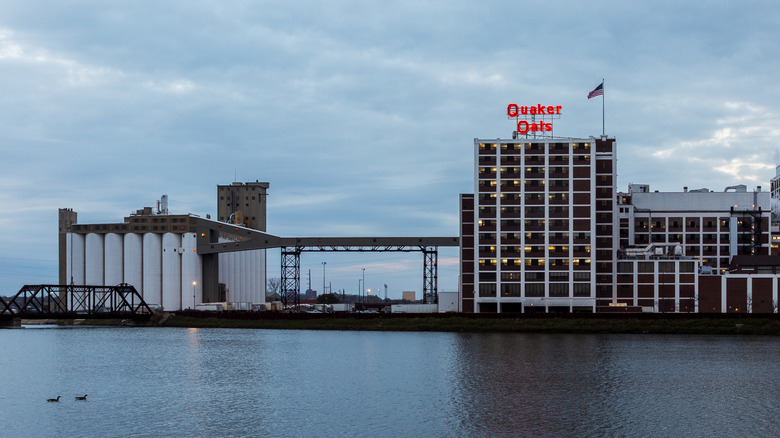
point(10, 321)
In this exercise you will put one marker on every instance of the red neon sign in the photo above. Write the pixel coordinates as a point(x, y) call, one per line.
point(524, 126)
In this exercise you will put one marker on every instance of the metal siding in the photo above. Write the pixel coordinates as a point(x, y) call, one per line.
point(252, 296)
point(261, 266)
point(235, 275)
point(246, 275)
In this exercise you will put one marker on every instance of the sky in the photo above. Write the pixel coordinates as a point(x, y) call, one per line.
point(361, 115)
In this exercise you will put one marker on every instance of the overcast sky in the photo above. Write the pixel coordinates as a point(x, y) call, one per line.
point(361, 115)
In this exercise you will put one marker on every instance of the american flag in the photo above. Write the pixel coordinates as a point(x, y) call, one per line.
point(598, 91)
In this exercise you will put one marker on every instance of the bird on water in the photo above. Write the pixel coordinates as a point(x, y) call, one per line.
point(54, 399)
point(82, 398)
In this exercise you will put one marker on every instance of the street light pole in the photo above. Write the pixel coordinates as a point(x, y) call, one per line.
point(194, 283)
point(323, 277)
point(364, 282)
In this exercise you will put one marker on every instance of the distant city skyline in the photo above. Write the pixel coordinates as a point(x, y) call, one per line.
point(360, 116)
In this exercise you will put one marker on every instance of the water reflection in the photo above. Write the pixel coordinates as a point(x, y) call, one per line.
point(609, 385)
point(214, 382)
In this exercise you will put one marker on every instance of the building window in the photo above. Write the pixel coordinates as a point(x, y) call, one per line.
point(582, 275)
point(559, 289)
point(646, 267)
point(534, 276)
point(510, 290)
point(582, 289)
point(534, 289)
point(487, 290)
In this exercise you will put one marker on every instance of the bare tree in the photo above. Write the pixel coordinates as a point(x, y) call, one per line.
point(273, 286)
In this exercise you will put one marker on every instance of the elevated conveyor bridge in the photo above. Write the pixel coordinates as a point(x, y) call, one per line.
point(219, 237)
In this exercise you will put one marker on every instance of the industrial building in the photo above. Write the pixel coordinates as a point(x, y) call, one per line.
point(545, 230)
point(158, 253)
point(180, 261)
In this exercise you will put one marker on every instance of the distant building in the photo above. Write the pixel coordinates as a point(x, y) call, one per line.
point(409, 295)
point(309, 295)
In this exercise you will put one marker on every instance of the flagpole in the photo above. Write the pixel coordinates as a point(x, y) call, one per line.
point(602, 108)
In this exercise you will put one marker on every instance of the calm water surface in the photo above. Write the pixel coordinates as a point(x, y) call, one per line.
point(228, 382)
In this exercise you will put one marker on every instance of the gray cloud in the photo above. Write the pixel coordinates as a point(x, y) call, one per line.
point(360, 115)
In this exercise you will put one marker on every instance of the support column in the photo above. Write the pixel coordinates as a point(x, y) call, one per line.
point(291, 276)
point(430, 275)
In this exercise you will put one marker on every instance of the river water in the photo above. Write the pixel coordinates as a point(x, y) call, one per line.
point(150, 382)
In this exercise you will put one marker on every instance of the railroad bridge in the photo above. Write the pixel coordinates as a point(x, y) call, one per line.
point(49, 301)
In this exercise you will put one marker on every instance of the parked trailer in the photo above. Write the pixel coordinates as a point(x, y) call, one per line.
point(211, 307)
point(343, 307)
point(414, 308)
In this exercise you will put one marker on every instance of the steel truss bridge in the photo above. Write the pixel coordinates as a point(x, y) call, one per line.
point(49, 301)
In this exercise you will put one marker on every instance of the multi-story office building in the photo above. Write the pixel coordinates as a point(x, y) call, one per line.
point(540, 233)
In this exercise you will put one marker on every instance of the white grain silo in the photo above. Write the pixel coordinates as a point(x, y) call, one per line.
point(77, 247)
point(93, 260)
point(133, 261)
point(171, 271)
point(114, 259)
point(191, 271)
point(152, 266)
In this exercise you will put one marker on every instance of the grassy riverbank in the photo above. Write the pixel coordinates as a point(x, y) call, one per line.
point(641, 324)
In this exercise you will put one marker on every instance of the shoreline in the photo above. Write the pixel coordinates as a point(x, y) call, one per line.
point(460, 323)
